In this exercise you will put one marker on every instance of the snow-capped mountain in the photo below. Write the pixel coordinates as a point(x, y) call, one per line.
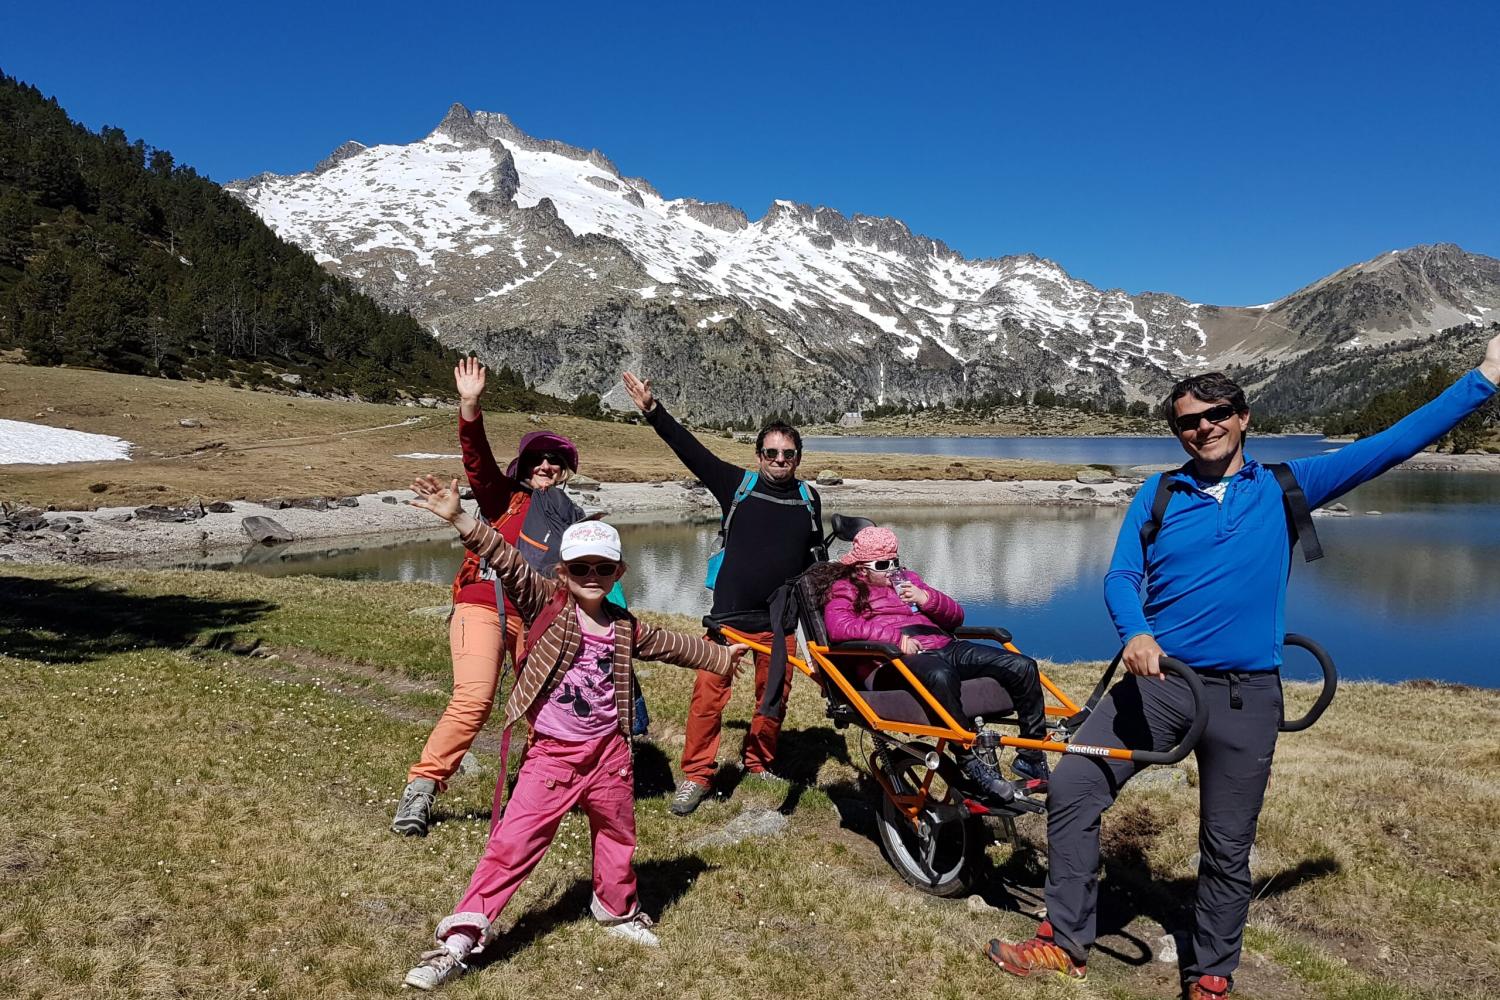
point(546, 257)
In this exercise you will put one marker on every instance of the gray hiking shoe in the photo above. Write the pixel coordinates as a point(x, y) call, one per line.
point(415, 810)
point(689, 795)
point(438, 966)
point(984, 774)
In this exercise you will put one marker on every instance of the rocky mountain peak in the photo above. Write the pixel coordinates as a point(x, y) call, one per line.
point(543, 256)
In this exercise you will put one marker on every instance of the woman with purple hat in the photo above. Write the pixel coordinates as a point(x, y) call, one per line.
point(529, 509)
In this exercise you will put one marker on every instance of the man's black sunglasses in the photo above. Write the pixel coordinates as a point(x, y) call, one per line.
point(1214, 415)
point(789, 454)
point(582, 570)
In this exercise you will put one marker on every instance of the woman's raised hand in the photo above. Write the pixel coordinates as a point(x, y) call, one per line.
point(468, 379)
point(432, 495)
point(640, 392)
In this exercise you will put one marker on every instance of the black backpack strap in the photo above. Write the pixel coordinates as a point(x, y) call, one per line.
point(1159, 503)
point(784, 610)
point(1299, 511)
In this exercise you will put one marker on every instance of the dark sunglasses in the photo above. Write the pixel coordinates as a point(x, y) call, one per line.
point(582, 570)
point(883, 565)
point(552, 458)
point(1214, 415)
point(789, 454)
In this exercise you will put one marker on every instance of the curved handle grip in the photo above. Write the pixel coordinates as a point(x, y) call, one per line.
point(1200, 717)
point(1330, 684)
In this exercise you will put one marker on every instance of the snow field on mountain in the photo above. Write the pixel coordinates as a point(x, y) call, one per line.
point(24, 443)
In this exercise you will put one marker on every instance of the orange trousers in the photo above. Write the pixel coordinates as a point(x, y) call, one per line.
point(478, 647)
point(700, 752)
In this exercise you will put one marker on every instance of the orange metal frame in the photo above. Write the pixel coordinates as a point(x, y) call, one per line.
point(950, 731)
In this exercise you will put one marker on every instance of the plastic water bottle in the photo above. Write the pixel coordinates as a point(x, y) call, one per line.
point(898, 577)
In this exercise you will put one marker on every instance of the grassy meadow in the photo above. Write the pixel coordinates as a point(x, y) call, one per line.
point(200, 768)
point(252, 445)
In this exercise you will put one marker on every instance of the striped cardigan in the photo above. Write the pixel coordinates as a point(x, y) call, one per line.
point(553, 635)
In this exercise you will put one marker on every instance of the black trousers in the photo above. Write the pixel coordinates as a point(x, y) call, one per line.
point(1234, 763)
point(943, 672)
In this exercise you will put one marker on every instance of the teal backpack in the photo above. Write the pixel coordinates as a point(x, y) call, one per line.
point(747, 485)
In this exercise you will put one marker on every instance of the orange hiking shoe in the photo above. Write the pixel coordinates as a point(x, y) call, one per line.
point(1208, 988)
point(1035, 957)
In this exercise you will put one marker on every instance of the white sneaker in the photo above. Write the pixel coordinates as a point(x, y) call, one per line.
point(636, 930)
point(438, 967)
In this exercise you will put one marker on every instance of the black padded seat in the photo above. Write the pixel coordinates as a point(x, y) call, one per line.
point(982, 696)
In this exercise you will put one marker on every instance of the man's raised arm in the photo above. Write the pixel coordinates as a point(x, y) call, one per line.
point(720, 477)
point(1324, 477)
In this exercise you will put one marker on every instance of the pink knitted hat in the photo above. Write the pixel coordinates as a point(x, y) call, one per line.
point(870, 544)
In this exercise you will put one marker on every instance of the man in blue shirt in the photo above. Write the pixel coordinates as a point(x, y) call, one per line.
point(1215, 592)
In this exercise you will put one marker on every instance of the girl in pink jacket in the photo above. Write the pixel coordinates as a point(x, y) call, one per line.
point(871, 597)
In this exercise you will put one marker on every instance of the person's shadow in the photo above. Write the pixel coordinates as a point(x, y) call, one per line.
point(77, 620)
point(1128, 888)
point(663, 881)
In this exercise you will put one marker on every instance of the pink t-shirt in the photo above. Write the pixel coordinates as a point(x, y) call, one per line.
point(582, 706)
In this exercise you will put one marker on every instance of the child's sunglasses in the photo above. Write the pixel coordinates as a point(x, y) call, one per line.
point(583, 570)
point(882, 565)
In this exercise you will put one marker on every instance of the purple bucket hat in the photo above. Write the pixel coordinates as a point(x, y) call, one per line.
point(544, 441)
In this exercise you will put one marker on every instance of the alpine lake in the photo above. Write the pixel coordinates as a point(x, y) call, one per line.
point(1409, 588)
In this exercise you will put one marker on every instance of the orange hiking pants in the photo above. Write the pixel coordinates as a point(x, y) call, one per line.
point(706, 718)
point(475, 640)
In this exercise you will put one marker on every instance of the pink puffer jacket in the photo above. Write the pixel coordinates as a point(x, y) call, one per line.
point(889, 615)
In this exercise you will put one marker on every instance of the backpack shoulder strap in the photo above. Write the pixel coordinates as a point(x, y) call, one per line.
point(1299, 511)
point(747, 483)
point(1159, 502)
point(807, 501)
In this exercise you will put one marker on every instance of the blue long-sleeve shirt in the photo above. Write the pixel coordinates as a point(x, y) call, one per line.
point(1216, 575)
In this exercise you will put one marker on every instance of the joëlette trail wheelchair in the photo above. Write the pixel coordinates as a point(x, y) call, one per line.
point(933, 823)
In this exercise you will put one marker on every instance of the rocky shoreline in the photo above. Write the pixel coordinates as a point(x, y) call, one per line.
point(155, 534)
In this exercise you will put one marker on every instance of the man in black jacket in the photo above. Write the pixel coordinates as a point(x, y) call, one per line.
point(770, 540)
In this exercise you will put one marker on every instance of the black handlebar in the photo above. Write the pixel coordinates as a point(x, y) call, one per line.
point(1190, 738)
point(867, 646)
point(1330, 684)
point(993, 632)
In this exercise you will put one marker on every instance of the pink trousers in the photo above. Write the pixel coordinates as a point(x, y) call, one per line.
point(597, 777)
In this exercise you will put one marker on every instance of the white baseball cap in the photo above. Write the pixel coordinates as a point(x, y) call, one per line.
point(590, 538)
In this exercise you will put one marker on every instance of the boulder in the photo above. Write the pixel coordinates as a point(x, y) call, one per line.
point(1092, 478)
point(579, 481)
point(168, 515)
point(1083, 493)
point(98, 487)
point(427, 401)
point(28, 521)
point(219, 507)
point(828, 477)
point(189, 422)
point(348, 501)
point(391, 500)
point(265, 531)
point(310, 503)
point(1159, 777)
point(748, 824)
point(276, 503)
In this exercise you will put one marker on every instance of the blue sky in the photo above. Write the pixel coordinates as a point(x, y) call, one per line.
point(1229, 153)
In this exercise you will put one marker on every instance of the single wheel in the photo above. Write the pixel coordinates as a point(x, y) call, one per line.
point(937, 858)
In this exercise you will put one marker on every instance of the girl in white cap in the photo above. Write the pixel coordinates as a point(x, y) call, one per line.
point(573, 686)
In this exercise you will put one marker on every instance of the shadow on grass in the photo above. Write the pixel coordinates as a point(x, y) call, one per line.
point(663, 881)
point(77, 620)
point(1129, 889)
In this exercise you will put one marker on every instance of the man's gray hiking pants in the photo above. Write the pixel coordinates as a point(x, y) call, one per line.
point(1234, 763)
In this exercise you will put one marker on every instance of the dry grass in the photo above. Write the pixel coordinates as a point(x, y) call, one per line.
point(184, 820)
point(257, 444)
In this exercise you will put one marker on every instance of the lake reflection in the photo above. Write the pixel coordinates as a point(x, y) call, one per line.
point(1411, 593)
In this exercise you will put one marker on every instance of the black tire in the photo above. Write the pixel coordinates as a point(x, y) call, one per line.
point(941, 863)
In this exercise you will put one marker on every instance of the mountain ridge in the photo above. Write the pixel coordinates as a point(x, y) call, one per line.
point(545, 256)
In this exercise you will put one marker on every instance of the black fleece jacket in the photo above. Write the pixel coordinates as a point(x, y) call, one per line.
point(770, 541)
